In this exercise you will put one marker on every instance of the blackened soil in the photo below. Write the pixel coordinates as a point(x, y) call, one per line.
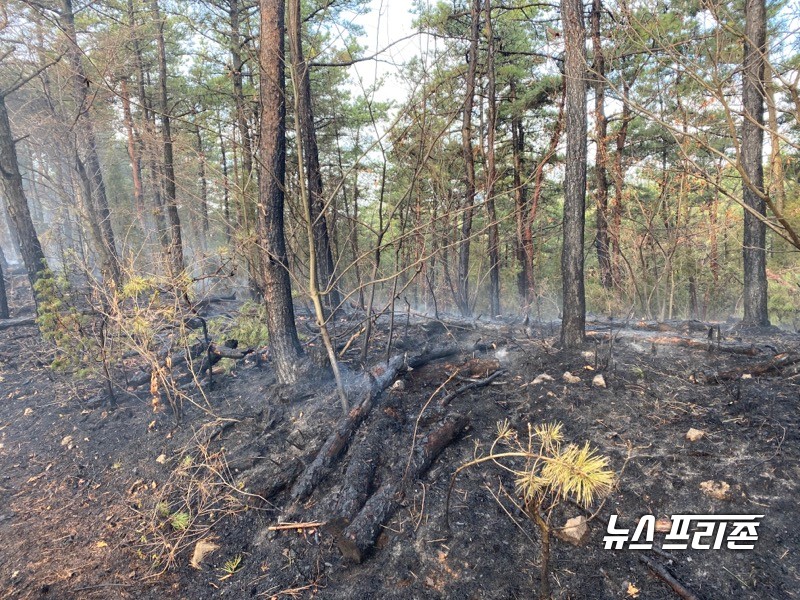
point(91, 497)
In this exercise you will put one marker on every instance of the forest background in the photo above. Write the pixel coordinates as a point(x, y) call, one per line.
point(157, 141)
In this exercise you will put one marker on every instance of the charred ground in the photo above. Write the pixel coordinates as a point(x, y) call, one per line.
point(89, 494)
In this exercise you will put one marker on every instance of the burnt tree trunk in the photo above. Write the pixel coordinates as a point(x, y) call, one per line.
point(285, 345)
point(358, 482)
point(30, 248)
point(175, 256)
point(601, 155)
point(98, 202)
point(360, 535)
point(380, 378)
point(325, 266)
point(754, 252)
point(333, 447)
point(491, 171)
point(4, 312)
point(574, 301)
point(246, 214)
point(462, 289)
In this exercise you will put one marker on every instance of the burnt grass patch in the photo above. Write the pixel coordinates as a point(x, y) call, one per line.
point(91, 497)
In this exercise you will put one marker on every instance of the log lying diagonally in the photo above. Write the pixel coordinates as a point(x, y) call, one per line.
point(473, 385)
point(359, 536)
point(269, 479)
point(674, 326)
point(357, 481)
point(371, 387)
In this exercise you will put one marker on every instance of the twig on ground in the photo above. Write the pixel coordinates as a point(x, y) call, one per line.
point(471, 386)
point(304, 525)
point(661, 571)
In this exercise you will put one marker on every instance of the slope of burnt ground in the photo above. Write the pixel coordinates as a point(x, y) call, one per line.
point(111, 503)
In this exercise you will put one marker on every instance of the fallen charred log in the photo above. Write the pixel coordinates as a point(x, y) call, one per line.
point(772, 366)
point(357, 483)
point(16, 322)
point(267, 480)
point(359, 536)
point(681, 342)
point(379, 379)
point(690, 326)
point(331, 449)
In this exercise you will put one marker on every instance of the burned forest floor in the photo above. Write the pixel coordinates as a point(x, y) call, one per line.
point(121, 502)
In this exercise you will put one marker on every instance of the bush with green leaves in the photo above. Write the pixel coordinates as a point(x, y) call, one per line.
point(62, 322)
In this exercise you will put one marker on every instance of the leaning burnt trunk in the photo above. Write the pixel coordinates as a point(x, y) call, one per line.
point(97, 203)
point(30, 247)
point(316, 199)
point(360, 535)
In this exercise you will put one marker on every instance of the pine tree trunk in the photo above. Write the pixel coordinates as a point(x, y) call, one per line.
point(601, 154)
point(98, 202)
point(171, 197)
point(284, 343)
point(20, 216)
point(574, 301)
point(469, 164)
point(491, 171)
point(754, 252)
point(325, 266)
point(133, 154)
